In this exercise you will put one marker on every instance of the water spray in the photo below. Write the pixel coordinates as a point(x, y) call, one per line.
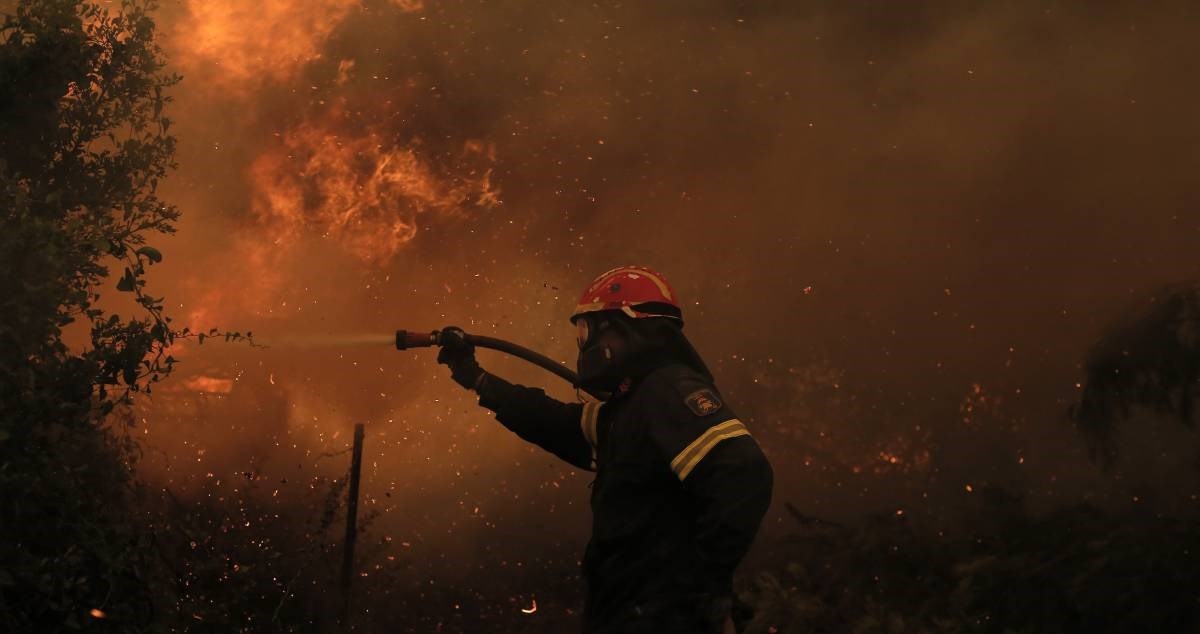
point(406, 340)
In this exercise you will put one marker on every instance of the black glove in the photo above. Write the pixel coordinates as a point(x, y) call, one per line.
point(458, 354)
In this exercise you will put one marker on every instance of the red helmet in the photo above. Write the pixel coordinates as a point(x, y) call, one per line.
point(634, 290)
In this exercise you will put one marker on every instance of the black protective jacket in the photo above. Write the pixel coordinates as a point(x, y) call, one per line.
point(679, 493)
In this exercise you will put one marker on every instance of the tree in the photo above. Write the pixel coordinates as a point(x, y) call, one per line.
point(83, 145)
point(1151, 360)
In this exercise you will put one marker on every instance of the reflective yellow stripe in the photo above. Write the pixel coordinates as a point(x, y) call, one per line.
point(691, 455)
point(587, 423)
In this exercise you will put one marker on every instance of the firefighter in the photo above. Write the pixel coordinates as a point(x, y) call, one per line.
point(680, 485)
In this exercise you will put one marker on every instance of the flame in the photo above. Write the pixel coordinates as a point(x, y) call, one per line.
point(364, 192)
point(210, 384)
point(361, 192)
point(531, 609)
point(97, 613)
point(236, 44)
point(251, 40)
point(361, 189)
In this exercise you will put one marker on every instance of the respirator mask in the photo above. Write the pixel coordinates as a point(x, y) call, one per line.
point(613, 348)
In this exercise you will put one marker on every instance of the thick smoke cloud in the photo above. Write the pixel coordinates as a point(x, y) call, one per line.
point(897, 226)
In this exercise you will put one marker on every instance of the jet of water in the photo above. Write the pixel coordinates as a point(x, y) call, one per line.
point(330, 340)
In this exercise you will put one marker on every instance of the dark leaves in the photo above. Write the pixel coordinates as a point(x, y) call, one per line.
point(128, 282)
point(81, 150)
point(1151, 360)
point(151, 254)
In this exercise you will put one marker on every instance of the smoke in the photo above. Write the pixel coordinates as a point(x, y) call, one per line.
point(898, 227)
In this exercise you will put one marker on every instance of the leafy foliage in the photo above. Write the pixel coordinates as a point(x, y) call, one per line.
point(1151, 361)
point(83, 146)
point(251, 562)
point(1078, 569)
point(84, 143)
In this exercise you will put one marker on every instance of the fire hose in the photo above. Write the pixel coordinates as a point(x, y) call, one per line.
point(406, 340)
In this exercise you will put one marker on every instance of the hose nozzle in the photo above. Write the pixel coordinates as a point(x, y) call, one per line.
point(406, 339)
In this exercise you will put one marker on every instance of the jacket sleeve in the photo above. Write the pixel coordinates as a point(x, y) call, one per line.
point(566, 430)
point(725, 474)
point(731, 487)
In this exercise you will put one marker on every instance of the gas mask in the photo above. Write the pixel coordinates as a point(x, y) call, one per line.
point(603, 350)
point(613, 348)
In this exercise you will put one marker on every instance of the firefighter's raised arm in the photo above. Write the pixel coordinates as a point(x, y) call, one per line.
point(551, 424)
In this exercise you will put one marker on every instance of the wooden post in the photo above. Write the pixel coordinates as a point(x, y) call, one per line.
point(351, 526)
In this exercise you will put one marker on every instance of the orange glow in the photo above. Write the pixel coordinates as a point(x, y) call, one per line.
point(889, 457)
point(268, 40)
point(98, 613)
point(210, 384)
point(975, 402)
point(361, 192)
point(364, 192)
point(237, 44)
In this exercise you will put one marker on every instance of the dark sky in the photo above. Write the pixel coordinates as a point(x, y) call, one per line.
point(897, 228)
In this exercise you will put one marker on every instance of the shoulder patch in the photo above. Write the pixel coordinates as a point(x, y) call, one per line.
point(703, 402)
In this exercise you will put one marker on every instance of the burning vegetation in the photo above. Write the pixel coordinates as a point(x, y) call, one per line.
point(900, 232)
point(363, 193)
